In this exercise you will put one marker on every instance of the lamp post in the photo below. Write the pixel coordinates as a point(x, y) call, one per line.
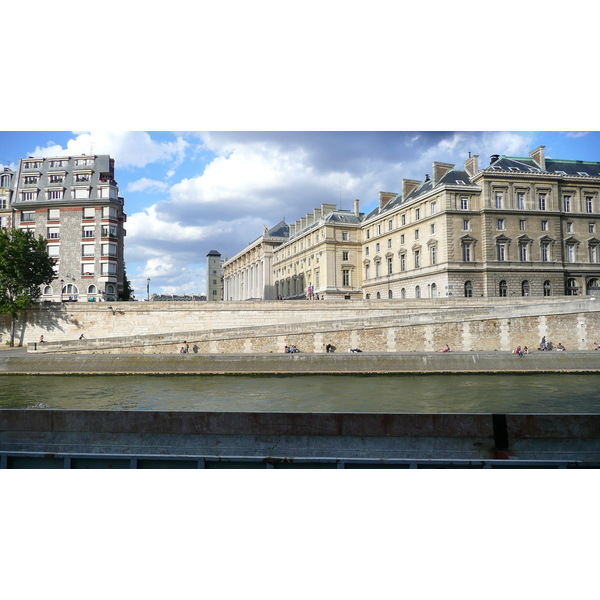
point(148, 288)
point(62, 285)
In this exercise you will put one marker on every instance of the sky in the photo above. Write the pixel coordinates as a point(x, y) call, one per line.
point(189, 192)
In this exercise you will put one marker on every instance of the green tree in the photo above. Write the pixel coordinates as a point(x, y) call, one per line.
point(24, 267)
point(127, 289)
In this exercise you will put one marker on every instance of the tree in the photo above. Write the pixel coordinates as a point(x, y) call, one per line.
point(127, 292)
point(24, 267)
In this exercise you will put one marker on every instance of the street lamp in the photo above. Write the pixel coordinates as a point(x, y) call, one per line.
point(62, 285)
point(148, 288)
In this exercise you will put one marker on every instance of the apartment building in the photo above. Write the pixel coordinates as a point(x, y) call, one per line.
point(74, 202)
point(6, 185)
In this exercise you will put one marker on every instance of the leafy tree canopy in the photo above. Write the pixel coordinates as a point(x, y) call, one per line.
point(127, 292)
point(24, 267)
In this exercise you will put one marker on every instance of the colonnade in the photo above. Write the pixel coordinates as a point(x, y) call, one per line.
point(247, 282)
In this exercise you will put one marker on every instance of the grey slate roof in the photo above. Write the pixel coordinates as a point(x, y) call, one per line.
point(282, 229)
point(558, 166)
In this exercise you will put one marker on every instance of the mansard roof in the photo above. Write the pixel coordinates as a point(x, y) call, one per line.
point(582, 168)
point(343, 216)
point(282, 229)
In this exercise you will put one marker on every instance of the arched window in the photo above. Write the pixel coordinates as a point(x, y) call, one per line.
point(378, 295)
point(547, 288)
point(417, 292)
point(91, 289)
point(70, 289)
point(390, 294)
point(571, 287)
point(503, 289)
point(403, 293)
point(110, 289)
point(593, 287)
point(48, 290)
point(468, 289)
point(368, 297)
point(525, 288)
point(434, 293)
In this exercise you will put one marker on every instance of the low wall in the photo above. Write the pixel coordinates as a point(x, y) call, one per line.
point(367, 363)
point(138, 439)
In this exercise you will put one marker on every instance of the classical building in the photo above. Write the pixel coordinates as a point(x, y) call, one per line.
point(214, 276)
point(74, 202)
point(249, 274)
point(521, 226)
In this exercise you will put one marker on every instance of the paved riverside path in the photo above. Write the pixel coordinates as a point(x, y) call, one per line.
point(18, 361)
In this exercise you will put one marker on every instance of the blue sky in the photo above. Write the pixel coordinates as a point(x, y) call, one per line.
point(187, 193)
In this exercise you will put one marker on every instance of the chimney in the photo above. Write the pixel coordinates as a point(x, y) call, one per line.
point(327, 208)
point(408, 185)
point(303, 221)
point(318, 213)
point(426, 176)
point(385, 197)
point(472, 165)
point(310, 218)
point(538, 156)
point(439, 170)
point(292, 230)
point(357, 207)
point(494, 158)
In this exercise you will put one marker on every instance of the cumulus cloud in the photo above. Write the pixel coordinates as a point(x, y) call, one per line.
point(147, 184)
point(131, 148)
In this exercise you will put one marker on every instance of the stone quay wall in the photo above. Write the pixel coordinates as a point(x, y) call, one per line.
point(482, 325)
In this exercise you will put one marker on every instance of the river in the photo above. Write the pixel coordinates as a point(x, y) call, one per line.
point(431, 393)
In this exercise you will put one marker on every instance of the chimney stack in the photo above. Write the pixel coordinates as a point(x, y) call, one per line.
point(385, 197)
point(439, 170)
point(539, 157)
point(472, 165)
point(357, 207)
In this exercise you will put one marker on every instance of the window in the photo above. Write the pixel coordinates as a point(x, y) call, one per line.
point(36, 164)
point(377, 247)
point(377, 269)
point(57, 163)
point(53, 250)
point(403, 219)
point(109, 231)
point(89, 212)
point(520, 200)
point(390, 225)
point(525, 288)
point(433, 208)
point(108, 268)
point(593, 252)
point(592, 227)
point(547, 288)
point(87, 250)
point(109, 250)
point(402, 238)
point(416, 234)
point(110, 289)
point(92, 289)
point(569, 227)
point(544, 225)
point(345, 236)
point(466, 252)
point(417, 213)
point(523, 254)
point(501, 223)
point(417, 292)
point(468, 289)
point(110, 212)
point(88, 231)
point(378, 229)
point(344, 255)
point(588, 204)
point(567, 203)
point(346, 277)
point(55, 178)
point(466, 224)
point(55, 194)
point(30, 179)
point(499, 199)
point(403, 262)
point(54, 214)
point(432, 229)
point(433, 254)
point(368, 234)
point(390, 265)
point(464, 203)
point(542, 201)
point(82, 177)
point(545, 251)
point(3, 202)
point(403, 293)
point(522, 224)
point(417, 259)
point(81, 162)
point(81, 193)
point(88, 268)
point(571, 287)
point(389, 242)
point(367, 271)
point(28, 196)
point(501, 251)
point(570, 253)
point(367, 251)
point(53, 233)
point(390, 294)
point(503, 289)
point(27, 216)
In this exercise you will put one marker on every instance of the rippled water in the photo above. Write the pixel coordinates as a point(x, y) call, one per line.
point(538, 393)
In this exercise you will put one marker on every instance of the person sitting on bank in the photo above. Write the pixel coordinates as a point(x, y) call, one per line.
point(560, 347)
point(328, 348)
point(287, 350)
point(596, 347)
point(526, 350)
point(444, 348)
point(518, 351)
point(42, 340)
point(354, 350)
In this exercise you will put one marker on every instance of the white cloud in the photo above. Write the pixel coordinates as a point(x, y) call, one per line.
point(577, 134)
point(147, 184)
point(129, 148)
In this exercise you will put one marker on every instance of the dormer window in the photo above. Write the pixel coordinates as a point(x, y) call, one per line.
point(583, 174)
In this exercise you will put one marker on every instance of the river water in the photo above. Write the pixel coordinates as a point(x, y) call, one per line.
point(431, 393)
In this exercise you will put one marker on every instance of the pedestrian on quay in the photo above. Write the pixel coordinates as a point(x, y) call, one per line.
point(543, 345)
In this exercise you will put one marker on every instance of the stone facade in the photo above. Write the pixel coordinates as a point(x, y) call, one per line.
point(74, 202)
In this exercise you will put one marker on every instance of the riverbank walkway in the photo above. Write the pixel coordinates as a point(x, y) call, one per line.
point(19, 361)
